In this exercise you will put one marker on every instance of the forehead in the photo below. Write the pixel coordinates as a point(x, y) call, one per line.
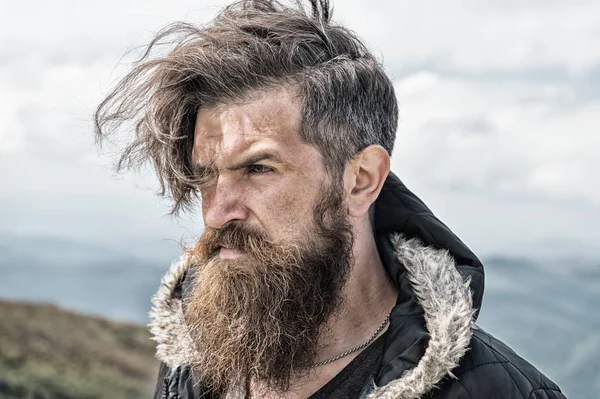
point(267, 121)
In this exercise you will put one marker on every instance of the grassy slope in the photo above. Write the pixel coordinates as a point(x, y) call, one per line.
point(46, 352)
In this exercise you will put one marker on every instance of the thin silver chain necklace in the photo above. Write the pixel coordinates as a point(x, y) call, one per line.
point(359, 347)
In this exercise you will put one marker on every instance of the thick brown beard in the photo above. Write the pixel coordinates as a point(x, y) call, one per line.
point(259, 318)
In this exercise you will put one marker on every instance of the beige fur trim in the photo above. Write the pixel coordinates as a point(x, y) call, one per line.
point(167, 323)
point(449, 317)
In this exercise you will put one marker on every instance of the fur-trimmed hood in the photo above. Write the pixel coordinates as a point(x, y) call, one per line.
point(440, 286)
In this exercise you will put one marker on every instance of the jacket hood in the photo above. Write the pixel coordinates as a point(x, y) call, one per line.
point(440, 290)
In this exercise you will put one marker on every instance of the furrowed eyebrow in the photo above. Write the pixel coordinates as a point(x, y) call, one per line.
point(253, 160)
point(203, 174)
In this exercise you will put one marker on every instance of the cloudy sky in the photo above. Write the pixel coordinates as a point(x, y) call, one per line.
point(499, 132)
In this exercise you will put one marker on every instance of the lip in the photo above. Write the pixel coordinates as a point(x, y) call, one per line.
point(230, 253)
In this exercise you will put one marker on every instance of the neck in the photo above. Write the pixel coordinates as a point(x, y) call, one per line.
point(368, 297)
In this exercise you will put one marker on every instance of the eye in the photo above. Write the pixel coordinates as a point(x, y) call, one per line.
point(259, 169)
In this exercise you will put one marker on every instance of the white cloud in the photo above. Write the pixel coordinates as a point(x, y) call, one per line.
point(464, 133)
point(474, 35)
point(417, 83)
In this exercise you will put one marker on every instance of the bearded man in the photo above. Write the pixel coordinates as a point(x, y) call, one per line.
point(318, 274)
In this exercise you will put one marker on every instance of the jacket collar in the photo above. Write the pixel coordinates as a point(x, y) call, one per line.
point(440, 283)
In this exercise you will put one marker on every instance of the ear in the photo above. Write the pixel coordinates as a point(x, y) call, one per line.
point(365, 175)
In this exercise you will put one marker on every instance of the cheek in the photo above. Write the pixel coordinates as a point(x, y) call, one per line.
point(288, 211)
point(206, 195)
point(297, 197)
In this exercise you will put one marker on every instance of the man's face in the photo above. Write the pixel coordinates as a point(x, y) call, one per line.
point(264, 176)
point(276, 250)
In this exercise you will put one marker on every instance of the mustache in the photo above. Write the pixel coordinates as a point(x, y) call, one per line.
point(235, 236)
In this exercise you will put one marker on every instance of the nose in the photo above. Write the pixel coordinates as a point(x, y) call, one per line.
point(223, 202)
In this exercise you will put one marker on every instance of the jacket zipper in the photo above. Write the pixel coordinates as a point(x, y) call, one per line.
point(165, 388)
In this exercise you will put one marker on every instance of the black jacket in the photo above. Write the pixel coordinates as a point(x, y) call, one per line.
point(433, 347)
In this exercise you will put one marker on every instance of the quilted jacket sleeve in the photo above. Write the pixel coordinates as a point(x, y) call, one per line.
point(546, 394)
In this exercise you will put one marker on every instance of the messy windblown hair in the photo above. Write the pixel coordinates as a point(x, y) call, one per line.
point(347, 100)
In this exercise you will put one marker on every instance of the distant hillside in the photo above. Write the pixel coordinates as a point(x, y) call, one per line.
point(48, 353)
